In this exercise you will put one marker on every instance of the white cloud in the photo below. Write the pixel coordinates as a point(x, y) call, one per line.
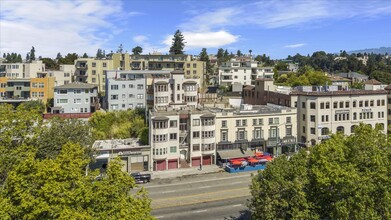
point(140, 39)
point(295, 45)
point(58, 26)
point(276, 14)
point(205, 39)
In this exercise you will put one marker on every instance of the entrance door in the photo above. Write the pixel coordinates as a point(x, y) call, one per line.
point(172, 164)
point(195, 161)
point(206, 160)
point(161, 165)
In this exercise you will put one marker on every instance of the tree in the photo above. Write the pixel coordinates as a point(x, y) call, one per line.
point(239, 53)
point(99, 54)
point(178, 43)
point(32, 106)
point(4, 56)
point(342, 178)
point(137, 50)
point(204, 57)
point(50, 64)
point(69, 59)
point(32, 54)
point(250, 51)
point(85, 55)
point(59, 189)
point(220, 56)
point(144, 136)
point(28, 57)
point(59, 56)
point(120, 49)
point(49, 142)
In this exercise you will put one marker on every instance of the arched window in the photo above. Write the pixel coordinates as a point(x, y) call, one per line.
point(325, 131)
point(341, 129)
point(352, 128)
point(381, 125)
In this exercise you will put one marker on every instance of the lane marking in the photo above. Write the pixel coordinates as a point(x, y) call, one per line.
point(203, 187)
point(169, 191)
point(199, 181)
point(199, 211)
point(157, 207)
point(159, 217)
point(201, 194)
point(237, 205)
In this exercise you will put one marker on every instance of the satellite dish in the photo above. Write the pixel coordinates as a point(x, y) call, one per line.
point(120, 153)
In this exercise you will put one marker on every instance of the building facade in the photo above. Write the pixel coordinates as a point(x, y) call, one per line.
point(64, 75)
point(42, 87)
point(21, 70)
point(126, 91)
point(75, 98)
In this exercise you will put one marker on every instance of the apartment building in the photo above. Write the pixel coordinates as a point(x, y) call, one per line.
point(269, 128)
point(242, 72)
point(193, 69)
point(322, 110)
point(21, 70)
point(181, 138)
point(42, 87)
point(75, 97)
point(93, 71)
point(126, 91)
point(176, 91)
point(64, 75)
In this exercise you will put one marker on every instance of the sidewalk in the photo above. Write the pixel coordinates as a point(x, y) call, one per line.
point(168, 174)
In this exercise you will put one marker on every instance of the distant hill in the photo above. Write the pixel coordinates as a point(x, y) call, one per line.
point(381, 50)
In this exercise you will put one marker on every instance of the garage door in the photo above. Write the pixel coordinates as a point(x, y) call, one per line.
point(172, 164)
point(195, 161)
point(161, 165)
point(206, 160)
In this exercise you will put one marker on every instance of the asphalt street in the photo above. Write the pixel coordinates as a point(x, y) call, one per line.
point(208, 196)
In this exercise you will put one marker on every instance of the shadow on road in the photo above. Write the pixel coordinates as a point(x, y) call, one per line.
point(244, 215)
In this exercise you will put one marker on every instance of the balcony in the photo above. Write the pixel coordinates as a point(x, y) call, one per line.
point(81, 66)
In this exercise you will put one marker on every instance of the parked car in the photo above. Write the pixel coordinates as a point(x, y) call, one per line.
point(141, 178)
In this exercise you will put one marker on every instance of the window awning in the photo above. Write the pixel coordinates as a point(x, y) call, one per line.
point(228, 154)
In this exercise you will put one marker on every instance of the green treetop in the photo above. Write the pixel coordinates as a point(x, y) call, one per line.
point(178, 43)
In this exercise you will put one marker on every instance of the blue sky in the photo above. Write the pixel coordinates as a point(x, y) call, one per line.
point(276, 28)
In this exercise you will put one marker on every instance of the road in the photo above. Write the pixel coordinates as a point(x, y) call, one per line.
point(208, 196)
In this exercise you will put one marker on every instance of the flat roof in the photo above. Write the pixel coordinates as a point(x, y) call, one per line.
point(77, 85)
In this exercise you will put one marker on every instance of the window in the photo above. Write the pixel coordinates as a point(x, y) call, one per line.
point(173, 149)
point(131, 86)
point(123, 86)
point(93, 80)
point(62, 91)
point(312, 105)
point(288, 120)
point(335, 105)
point(140, 96)
point(159, 138)
point(322, 105)
point(383, 102)
point(77, 101)
point(123, 96)
point(257, 134)
point(93, 64)
point(224, 124)
point(371, 103)
point(238, 123)
point(224, 135)
point(139, 105)
point(34, 85)
point(303, 104)
point(207, 121)
point(196, 134)
point(159, 124)
point(354, 116)
point(194, 65)
point(207, 134)
point(104, 64)
point(241, 135)
point(196, 122)
point(62, 101)
point(114, 97)
point(354, 104)
point(255, 121)
point(347, 104)
point(188, 65)
point(312, 130)
point(303, 117)
point(244, 122)
point(327, 105)
point(288, 131)
point(313, 118)
point(196, 147)
point(93, 72)
point(270, 121)
point(140, 86)
point(360, 104)
point(303, 129)
point(114, 87)
point(340, 104)
point(173, 124)
point(173, 136)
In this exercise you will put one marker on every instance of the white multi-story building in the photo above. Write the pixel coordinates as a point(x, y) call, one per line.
point(75, 98)
point(64, 75)
point(126, 91)
point(323, 110)
point(176, 91)
point(270, 128)
point(242, 72)
point(181, 138)
point(21, 70)
point(190, 137)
